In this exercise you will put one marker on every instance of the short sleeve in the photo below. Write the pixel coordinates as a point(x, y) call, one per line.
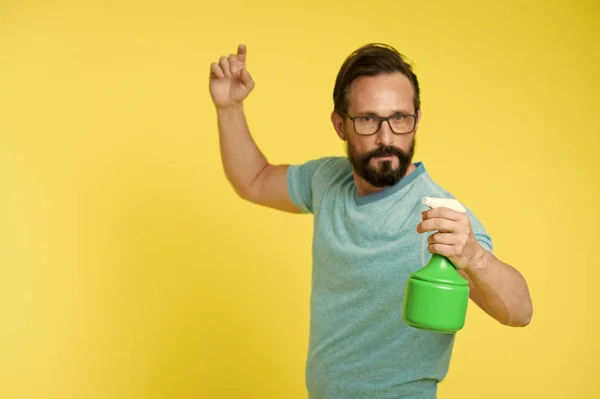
point(481, 235)
point(300, 179)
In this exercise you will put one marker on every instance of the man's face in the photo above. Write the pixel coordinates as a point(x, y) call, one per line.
point(383, 158)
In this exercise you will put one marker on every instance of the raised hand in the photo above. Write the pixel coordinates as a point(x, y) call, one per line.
point(230, 81)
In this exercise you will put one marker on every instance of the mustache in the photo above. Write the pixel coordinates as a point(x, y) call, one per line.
point(386, 151)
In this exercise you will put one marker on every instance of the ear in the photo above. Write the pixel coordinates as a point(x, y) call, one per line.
point(418, 119)
point(338, 125)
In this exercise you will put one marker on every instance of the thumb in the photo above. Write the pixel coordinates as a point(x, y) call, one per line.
point(246, 78)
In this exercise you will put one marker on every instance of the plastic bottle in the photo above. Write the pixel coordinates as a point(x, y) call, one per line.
point(437, 295)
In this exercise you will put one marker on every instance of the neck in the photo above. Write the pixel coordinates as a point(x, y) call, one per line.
point(364, 188)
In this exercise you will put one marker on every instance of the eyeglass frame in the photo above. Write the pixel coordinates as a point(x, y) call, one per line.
point(382, 119)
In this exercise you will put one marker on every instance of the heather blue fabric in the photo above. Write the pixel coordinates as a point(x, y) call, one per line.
point(364, 249)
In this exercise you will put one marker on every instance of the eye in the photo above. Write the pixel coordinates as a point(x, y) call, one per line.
point(366, 118)
point(399, 117)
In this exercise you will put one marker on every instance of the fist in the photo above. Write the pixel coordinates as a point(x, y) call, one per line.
point(453, 237)
point(230, 81)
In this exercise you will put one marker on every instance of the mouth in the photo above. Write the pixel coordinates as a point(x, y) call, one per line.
point(384, 157)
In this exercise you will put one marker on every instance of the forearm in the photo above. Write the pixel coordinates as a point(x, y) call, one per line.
point(500, 290)
point(241, 158)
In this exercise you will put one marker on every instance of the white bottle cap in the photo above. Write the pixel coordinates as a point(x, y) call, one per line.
point(444, 203)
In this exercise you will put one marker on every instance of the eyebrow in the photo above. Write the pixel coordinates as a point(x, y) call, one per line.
point(371, 113)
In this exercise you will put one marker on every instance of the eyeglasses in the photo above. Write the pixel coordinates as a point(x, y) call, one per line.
point(366, 125)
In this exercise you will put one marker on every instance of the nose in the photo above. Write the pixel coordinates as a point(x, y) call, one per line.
point(385, 136)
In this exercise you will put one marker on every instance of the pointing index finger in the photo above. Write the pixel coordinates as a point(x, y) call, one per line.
point(241, 52)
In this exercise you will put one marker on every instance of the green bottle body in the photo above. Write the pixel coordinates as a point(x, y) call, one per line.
point(436, 297)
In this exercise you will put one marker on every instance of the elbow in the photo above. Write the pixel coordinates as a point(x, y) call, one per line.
point(242, 190)
point(526, 319)
point(526, 314)
point(247, 188)
point(520, 322)
point(247, 192)
point(521, 319)
point(244, 193)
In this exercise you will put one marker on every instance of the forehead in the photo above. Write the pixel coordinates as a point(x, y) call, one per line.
point(381, 94)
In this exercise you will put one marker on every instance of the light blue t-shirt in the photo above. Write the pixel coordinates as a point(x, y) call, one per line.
point(364, 249)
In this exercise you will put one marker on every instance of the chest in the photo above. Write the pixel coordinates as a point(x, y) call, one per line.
point(366, 247)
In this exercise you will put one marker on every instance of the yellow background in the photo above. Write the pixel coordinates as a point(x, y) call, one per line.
point(129, 269)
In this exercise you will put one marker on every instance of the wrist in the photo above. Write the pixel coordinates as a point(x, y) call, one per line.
point(230, 108)
point(479, 260)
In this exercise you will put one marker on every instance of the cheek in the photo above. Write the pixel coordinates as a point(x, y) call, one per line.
point(405, 143)
point(361, 144)
point(347, 130)
point(358, 148)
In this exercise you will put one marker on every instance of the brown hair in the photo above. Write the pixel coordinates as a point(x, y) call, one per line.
point(370, 60)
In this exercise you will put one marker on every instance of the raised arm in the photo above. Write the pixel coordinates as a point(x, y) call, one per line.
point(246, 168)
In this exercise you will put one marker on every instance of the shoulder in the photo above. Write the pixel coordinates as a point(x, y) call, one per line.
point(427, 186)
point(328, 163)
point(307, 182)
point(327, 168)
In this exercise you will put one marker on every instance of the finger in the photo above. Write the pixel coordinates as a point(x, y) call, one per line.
point(442, 249)
point(242, 52)
point(224, 63)
point(216, 71)
point(234, 64)
point(443, 238)
point(443, 212)
point(247, 79)
point(439, 224)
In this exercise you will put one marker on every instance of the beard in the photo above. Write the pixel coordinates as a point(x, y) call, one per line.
point(385, 175)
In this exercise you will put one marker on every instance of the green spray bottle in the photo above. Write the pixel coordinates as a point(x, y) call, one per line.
point(437, 295)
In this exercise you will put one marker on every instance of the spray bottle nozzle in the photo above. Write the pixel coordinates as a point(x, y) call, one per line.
point(445, 203)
